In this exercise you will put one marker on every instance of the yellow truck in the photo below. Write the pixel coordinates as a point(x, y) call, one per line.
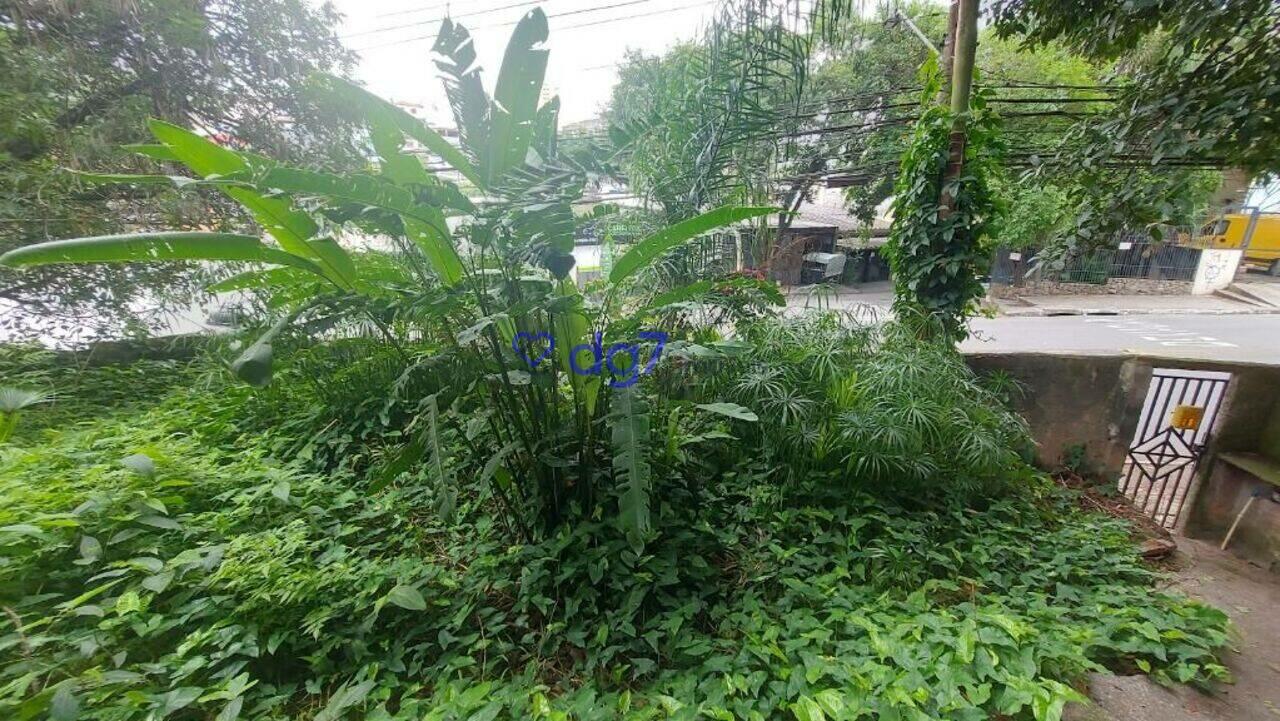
point(1229, 232)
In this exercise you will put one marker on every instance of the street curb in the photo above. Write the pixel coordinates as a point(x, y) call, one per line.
point(1041, 312)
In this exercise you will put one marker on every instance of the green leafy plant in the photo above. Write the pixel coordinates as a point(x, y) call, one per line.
point(226, 583)
point(936, 248)
point(12, 402)
point(469, 290)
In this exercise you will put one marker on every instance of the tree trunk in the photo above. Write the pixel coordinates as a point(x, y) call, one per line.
point(948, 51)
point(965, 49)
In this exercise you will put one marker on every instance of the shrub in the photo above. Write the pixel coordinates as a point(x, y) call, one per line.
point(214, 580)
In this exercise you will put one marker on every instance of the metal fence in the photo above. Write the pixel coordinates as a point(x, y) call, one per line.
point(1131, 255)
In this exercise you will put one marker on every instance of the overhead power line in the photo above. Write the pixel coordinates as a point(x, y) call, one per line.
point(474, 13)
point(593, 23)
point(411, 11)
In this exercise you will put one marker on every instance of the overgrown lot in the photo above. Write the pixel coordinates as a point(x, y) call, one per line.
point(422, 499)
point(260, 566)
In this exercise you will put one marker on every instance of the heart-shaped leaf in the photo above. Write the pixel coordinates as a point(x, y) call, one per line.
point(407, 597)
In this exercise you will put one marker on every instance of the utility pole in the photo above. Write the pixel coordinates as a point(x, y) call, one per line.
point(964, 49)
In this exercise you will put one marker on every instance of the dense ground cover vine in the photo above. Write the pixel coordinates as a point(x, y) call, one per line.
point(226, 579)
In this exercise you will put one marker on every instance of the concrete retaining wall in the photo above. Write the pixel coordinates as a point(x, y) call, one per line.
point(1095, 402)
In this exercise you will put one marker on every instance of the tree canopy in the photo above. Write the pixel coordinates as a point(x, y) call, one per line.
point(1201, 74)
point(77, 80)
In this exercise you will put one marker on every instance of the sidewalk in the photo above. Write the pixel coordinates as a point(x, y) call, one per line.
point(1249, 595)
point(1048, 305)
point(867, 301)
point(874, 299)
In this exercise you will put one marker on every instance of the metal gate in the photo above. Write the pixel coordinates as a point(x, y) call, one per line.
point(1173, 430)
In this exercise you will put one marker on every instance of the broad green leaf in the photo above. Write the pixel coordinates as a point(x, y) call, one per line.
point(367, 190)
point(460, 72)
point(806, 709)
point(154, 247)
point(158, 582)
point(545, 135)
point(395, 165)
point(446, 494)
point(410, 454)
point(492, 465)
point(572, 328)
point(732, 410)
point(832, 702)
point(64, 706)
point(437, 246)
point(254, 365)
point(290, 228)
point(261, 279)
point(231, 711)
point(406, 597)
point(515, 97)
point(643, 253)
point(630, 438)
point(372, 106)
point(128, 602)
point(177, 181)
point(157, 521)
point(336, 258)
point(178, 699)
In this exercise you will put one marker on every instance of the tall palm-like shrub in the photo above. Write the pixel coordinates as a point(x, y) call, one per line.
point(476, 265)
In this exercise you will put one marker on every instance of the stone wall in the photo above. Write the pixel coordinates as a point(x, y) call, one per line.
point(1113, 286)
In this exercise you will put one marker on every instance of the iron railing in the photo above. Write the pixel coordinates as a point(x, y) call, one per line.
point(1132, 255)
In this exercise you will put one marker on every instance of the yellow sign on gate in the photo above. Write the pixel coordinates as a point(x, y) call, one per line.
point(1187, 417)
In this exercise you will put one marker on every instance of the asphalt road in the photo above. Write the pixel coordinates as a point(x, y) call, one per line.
point(1253, 338)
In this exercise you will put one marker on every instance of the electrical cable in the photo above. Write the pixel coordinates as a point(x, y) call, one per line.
point(620, 18)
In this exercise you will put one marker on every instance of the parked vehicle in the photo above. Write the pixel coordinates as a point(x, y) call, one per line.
point(1230, 230)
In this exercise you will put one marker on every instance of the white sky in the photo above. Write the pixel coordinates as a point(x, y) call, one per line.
point(403, 71)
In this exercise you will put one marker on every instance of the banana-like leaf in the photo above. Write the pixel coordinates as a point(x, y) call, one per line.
point(438, 248)
point(261, 279)
point(372, 107)
point(177, 181)
point(290, 228)
point(446, 494)
point(425, 225)
point(456, 60)
point(515, 97)
point(367, 190)
point(398, 166)
point(643, 253)
point(333, 256)
point(153, 247)
point(544, 129)
point(630, 438)
point(571, 328)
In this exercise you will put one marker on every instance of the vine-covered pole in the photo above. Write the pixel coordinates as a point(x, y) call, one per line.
point(965, 47)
